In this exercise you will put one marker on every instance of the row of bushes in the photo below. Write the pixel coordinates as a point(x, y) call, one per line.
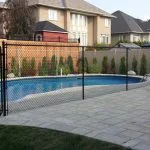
point(46, 67)
point(53, 67)
point(107, 68)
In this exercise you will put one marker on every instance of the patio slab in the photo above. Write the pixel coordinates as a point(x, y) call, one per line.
point(122, 118)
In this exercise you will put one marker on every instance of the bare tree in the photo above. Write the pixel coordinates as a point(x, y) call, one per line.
point(19, 18)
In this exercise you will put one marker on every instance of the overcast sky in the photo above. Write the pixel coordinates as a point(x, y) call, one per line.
point(136, 8)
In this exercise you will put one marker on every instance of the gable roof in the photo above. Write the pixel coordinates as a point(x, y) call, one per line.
point(145, 25)
point(124, 23)
point(77, 5)
point(48, 26)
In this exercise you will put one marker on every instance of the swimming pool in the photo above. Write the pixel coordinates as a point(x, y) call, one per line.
point(18, 89)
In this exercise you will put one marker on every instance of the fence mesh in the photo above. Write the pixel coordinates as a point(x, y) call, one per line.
point(41, 74)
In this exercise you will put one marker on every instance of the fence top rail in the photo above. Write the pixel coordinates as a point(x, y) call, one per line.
point(63, 45)
point(47, 44)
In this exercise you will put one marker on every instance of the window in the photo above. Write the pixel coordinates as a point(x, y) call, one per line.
point(73, 19)
point(145, 39)
point(79, 27)
point(52, 14)
point(104, 39)
point(85, 21)
point(136, 38)
point(107, 22)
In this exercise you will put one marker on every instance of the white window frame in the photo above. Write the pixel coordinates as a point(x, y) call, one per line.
point(107, 22)
point(53, 14)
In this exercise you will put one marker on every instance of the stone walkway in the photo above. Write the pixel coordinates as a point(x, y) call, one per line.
point(122, 118)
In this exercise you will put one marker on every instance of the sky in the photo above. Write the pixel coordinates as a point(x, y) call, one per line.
point(136, 8)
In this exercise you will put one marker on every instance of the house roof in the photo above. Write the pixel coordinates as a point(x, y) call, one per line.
point(124, 23)
point(77, 5)
point(48, 26)
point(145, 25)
point(129, 45)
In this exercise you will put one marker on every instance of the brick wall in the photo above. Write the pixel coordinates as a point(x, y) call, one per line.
point(55, 36)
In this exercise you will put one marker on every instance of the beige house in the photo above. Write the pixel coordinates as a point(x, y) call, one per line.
point(78, 17)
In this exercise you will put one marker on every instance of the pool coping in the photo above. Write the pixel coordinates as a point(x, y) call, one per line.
point(72, 75)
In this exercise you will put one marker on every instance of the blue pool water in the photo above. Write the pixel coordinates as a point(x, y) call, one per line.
point(18, 89)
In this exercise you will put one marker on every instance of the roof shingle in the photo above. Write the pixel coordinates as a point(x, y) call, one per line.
point(47, 26)
point(78, 5)
point(125, 23)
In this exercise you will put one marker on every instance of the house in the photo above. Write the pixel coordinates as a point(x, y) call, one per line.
point(49, 32)
point(128, 28)
point(77, 17)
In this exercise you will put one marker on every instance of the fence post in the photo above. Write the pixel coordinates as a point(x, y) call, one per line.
point(127, 59)
point(83, 93)
point(4, 79)
point(1, 80)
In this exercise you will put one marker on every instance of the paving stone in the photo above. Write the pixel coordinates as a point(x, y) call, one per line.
point(94, 133)
point(131, 134)
point(142, 146)
point(112, 138)
point(113, 130)
point(132, 143)
point(61, 127)
point(145, 138)
point(81, 131)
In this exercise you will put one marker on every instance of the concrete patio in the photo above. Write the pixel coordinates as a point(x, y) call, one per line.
point(122, 118)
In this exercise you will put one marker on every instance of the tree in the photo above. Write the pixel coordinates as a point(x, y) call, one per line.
point(94, 67)
point(19, 19)
point(70, 64)
point(122, 67)
point(14, 67)
point(61, 61)
point(105, 65)
point(54, 67)
point(24, 67)
point(134, 64)
point(32, 70)
point(113, 66)
point(44, 67)
point(65, 69)
point(79, 65)
point(143, 68)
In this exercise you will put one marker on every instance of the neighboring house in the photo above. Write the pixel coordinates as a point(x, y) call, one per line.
point(128, 28)
point(49, 32)
point(78, 17)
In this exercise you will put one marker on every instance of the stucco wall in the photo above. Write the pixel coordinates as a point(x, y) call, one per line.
point(43, 15)
point(90, 30)
point(103, 29)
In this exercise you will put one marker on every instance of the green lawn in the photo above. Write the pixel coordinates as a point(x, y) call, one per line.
point(29, 138)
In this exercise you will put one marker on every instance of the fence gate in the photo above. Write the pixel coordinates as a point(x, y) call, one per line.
point(3, 81)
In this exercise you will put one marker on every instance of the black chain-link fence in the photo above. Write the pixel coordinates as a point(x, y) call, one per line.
point(43, 74)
